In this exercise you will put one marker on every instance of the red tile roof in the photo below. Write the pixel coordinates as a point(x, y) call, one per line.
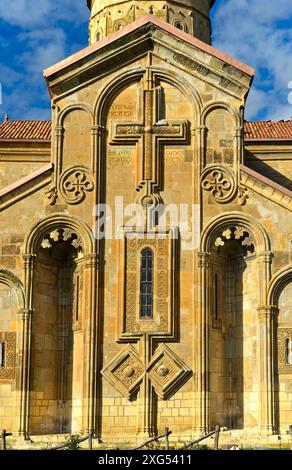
point(25, 131)
point(41, 130)
point(268, 130)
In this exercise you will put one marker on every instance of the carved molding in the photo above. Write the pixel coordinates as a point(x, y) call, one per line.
point(9, 338)
point(75, 182)
point(220, 181)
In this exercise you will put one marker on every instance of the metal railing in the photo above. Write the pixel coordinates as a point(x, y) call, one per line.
point(214, 433)
point(89, 437)
point(156, 438)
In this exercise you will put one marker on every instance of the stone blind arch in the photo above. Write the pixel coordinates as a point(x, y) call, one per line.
point(73, 107)
point(214, 105)
point(12, 281)
point(278, 282)
point(133, 76)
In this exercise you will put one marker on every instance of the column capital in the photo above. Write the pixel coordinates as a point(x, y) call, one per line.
point(203, 259)
point(25, 313)
point(265, 257)
point(59, 130)
point(91, 260)
point(28, 259)
point(198, 130)
point(267, 312)
point(98, 129)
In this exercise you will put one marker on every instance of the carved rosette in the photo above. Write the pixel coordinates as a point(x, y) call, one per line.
point(74, 183)
point(220, 181)
point(125, 372)
point(9, 338)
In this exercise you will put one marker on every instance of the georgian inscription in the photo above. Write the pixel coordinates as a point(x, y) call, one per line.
point(119, 111)
point(118, 157)
point(173, 156)
point(191, 64)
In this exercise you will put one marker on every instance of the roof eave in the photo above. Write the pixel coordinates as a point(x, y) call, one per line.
point(151, 20)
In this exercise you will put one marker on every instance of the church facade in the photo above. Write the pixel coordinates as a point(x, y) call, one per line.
point(146, 240)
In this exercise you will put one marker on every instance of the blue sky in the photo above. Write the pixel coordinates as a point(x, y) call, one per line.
point(35, 34)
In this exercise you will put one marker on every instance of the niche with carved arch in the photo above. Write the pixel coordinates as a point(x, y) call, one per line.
point(232, 300)
point(282, 300)
point(57, 337)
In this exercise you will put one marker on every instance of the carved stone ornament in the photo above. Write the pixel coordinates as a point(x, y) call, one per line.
point(8, 371)
point(62, 234)
point(283, 335)
point(167, 372)
point(242, 196)
point(130, 323)
point(236, 233)
point(220, 182)
point(125, 372)
point(51, 195)
point(74, 183)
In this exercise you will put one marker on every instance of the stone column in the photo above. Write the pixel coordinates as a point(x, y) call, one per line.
point(25, 354)
point(202, 349)
point(267, 321)
point(59, 132)
point(90, 335)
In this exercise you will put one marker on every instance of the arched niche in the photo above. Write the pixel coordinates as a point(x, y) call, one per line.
point(221, 122)
point(280, 298)
point(234, 277)
point(76, 148)
point(11, 305)
point(59, 271)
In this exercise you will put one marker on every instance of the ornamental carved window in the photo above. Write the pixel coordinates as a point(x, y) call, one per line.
point(2, 354)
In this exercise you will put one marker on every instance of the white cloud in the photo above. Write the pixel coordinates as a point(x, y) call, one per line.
point(30, 13)
point(259, 33)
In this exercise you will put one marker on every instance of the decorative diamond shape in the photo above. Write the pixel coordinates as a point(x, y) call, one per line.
point(167, 372)
point(125, 372)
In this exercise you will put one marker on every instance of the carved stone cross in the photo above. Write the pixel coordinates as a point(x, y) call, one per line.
point(152, 132)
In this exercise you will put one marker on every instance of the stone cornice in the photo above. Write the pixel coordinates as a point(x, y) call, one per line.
point(134, 39)
point(266, 187)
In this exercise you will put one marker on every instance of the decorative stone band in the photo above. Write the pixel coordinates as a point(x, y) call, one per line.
point(75, 182)
point(220, 181)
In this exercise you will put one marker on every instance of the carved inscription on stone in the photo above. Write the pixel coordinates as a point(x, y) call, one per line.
point(121, 111)
point(173, 156)
point(118, 157)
